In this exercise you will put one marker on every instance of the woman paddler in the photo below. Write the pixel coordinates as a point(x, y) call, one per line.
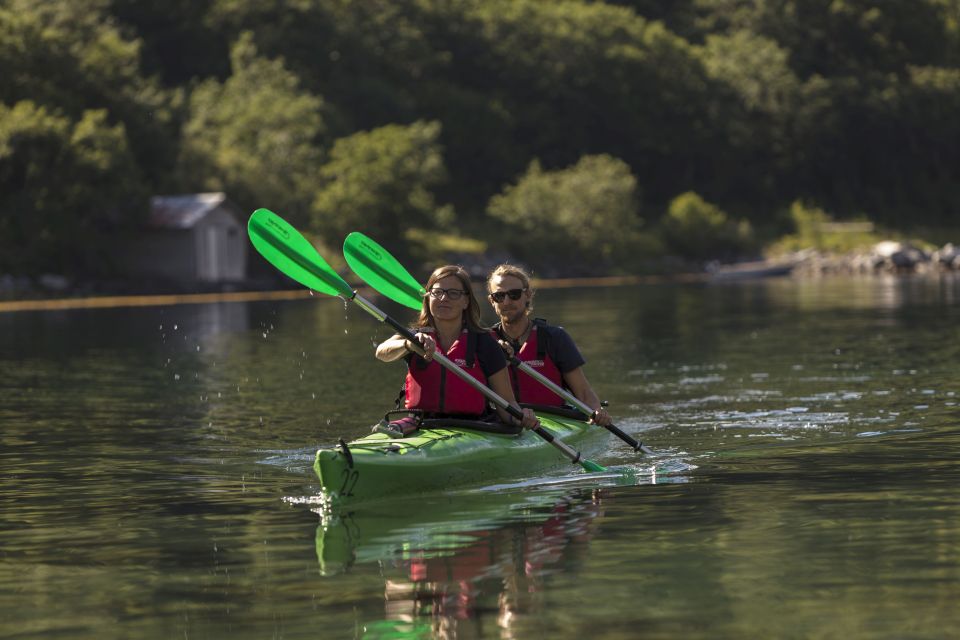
point(449, 321)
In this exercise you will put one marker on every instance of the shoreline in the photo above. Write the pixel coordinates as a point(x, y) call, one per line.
point(106, 302)
point(803, 270)
point(155, 300)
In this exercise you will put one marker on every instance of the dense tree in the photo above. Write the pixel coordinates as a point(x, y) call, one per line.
point(381, 182)
point(66, 187)
point(886, 148)
point(698, 230)
point(257, 136)
point(367, 55)
point(178, 42)
point(576, 78)
point(588, 213)
point(849, 74)
point(69, 56)
point(510, 79)
point(756, 98)
point(320, 109)
point(839, 37)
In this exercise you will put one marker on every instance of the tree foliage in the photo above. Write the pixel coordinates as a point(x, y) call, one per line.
point(588, 210)
point(257, 135)
point(388, 114)
point(697, 229)
point(66, 187)
point(381, 182)
point(69, 56)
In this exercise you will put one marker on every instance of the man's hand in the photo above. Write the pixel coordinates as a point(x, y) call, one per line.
point(601, 417)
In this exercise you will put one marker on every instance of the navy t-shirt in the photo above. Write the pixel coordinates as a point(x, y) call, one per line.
point(562, 349)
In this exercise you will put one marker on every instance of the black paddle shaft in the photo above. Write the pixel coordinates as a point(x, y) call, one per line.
point(579, 404)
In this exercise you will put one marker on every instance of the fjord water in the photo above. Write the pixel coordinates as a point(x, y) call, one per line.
point(156, 478)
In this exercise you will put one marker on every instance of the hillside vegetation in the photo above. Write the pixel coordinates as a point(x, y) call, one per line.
point(577, 136)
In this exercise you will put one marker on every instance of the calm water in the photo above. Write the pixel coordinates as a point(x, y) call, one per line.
point(156, 477)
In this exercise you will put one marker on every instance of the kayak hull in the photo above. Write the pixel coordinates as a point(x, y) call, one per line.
point(434, 458)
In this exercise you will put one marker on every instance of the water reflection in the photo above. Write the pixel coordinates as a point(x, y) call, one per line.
point(455, 563)
point(885, 292)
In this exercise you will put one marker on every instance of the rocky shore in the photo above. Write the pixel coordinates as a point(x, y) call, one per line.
point(884, 257)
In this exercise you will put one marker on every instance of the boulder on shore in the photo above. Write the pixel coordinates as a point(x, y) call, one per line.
point(889, 256)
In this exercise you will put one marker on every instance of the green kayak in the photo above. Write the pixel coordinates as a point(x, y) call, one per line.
point(443, 453)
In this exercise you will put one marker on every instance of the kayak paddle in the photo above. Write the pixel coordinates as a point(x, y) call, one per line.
point(383, 272)
point(287, 250)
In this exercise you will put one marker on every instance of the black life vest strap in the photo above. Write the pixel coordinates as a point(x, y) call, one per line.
point(471, 348)
point(498, 329)
point(401, 397)
point(543, 337)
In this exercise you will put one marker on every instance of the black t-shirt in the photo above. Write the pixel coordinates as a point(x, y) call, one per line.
point(562, 349)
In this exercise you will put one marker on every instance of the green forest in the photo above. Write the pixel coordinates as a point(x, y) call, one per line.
point(582, 137)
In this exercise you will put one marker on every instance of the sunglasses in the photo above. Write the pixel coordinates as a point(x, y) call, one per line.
point(499, 296)
point(451, 294)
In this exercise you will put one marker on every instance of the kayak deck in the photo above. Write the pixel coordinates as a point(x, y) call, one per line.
point(437, 457)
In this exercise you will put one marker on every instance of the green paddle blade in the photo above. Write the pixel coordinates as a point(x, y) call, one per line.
point(590, 465)
point(382, 271)
point(292, 254)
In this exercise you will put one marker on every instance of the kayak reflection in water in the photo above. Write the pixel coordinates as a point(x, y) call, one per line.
point(548, 349)
point(449, 321)
point(499, 572)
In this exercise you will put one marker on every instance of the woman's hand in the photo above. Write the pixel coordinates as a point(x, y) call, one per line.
point(507, 348)
point(601, 417)
point(428, 344)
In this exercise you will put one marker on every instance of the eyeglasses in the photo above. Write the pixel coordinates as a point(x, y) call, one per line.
point(450, 294)
point(498, 296)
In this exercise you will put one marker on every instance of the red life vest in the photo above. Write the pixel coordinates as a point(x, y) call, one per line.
point(433, 389)
point(534, 353)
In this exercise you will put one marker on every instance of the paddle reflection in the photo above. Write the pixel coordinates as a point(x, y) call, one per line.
point(467, 564)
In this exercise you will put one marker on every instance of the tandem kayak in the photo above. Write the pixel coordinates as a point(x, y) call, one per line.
point(443, 453)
